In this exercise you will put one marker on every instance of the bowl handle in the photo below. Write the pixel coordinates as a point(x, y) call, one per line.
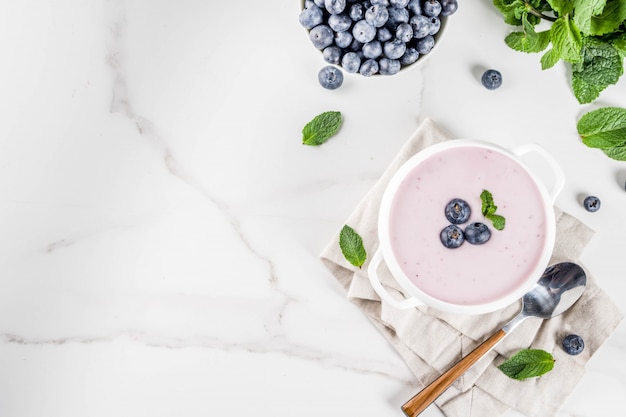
point(372, 272)
point(559, 177)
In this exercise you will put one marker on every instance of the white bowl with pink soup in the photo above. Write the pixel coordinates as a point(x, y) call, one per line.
point(472, 278)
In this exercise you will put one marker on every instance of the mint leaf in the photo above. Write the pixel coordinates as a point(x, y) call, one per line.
point(561, 6)
point(566, 39)
point(604, 128)
point(549, 59)
point(528, 40)
point(585, 92)
point(351, 246)
point(601, 66)
point(611, 18)
point(527, 363)
point(489, 210)
point(512, 10)
point(585, 10)
point(321, 128)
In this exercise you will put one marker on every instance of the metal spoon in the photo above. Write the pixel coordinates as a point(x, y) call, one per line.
point(560, 286)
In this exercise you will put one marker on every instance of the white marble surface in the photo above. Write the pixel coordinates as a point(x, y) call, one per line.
point(161, 222)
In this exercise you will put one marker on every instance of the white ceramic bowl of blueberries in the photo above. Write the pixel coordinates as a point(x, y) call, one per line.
point(373, 37)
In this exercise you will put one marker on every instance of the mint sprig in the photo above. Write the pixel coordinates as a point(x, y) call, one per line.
point(527, 363)
point(321, 128)
point(589, 35)
point(489, 210)
point(351, 246)
point(605, 128)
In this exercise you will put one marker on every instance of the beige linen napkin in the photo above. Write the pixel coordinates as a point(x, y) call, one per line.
point(430, 341)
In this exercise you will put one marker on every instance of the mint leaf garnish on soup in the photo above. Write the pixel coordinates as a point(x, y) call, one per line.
point(605, 128)
point(489, 210)
point(527, 363)
point(321, 128)
point(351, 246)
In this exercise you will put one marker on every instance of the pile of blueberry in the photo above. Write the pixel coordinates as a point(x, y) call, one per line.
point(452, 236)
point(374, 36)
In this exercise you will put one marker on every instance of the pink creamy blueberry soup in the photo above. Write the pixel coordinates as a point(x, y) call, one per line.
point(470, 274)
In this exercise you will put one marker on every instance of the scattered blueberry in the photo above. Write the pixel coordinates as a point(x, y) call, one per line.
point(351, 62)
point(591, 203)
point(321, 36)
point(573, 344)
point(311, 17)
point(431, 8)
point(330, 77)
point(491, 79)
point(425, 45)
point(448, 7)
point(451, 236)
point(369, 68)
point(377, 15)
point(457, 211)
point(363, 31)
point(389, 66)
point(335, 6)
point(477, 233)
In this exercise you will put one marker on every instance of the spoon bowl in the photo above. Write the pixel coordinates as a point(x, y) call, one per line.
point(560, 286)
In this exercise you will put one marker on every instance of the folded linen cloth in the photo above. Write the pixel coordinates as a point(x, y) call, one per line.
point(430, 341)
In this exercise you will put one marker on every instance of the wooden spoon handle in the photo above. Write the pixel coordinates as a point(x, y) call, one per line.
point(425, 397)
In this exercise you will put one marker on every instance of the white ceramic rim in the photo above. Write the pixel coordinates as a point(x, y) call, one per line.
point(408, 287)
point(423, 57)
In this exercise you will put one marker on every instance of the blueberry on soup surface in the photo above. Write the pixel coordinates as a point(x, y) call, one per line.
point(457, 211)
point(573, 344)
point(477, 233)
point(452, 236)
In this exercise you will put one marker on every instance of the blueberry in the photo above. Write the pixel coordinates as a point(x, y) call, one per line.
point(477, 233)
point(357, 12)
point(435, 25)
point(339, 22)
point(404, 32)
point(394, 48)
point(332, 54)
point(457, 211)
point(320, 3)
point(396, 16)
point(377, 15)
point(383, 34)
point(372, 49)
point(330, 77)
point(311, 17)
point(355, 46)
point(335, 6)
point(451, 236)
point(425, 45)
point(491, 79)
point(321, 36)
point(420, 25)
point(343, 39)
point(351, 62)
point(431, 8)
point(591, 203)
point(384, 3)
point(308, 3)
point(399, 3)
point(573, 344)
point(415, 7)
point(388, 66)
point(363, 31)
point(369, 68)
point(410, 56)
point(448, 7)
